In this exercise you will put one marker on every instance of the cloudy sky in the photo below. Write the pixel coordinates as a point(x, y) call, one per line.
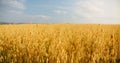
point(60, 11)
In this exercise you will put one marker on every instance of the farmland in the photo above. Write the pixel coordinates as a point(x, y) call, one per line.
point(59, 43)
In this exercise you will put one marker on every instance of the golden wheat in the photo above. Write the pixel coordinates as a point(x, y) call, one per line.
point(59, 43)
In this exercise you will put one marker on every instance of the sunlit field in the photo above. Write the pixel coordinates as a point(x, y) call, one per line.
point(59, 43)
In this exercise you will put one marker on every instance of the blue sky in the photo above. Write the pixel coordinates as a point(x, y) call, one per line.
point(59, 11)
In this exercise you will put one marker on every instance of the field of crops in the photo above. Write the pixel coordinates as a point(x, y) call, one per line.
point(59, 43)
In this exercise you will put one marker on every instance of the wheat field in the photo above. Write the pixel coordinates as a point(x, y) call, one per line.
point(60, 43)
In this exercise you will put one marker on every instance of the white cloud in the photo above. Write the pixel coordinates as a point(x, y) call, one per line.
point(19, 16)
point(89, 8)
point(60, 12)
point(15, 12)
point(13, 3)
point(98, 11)
point(39, 16)
point(17, 4)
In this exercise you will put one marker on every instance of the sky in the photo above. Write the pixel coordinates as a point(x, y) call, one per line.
point(60, 11)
